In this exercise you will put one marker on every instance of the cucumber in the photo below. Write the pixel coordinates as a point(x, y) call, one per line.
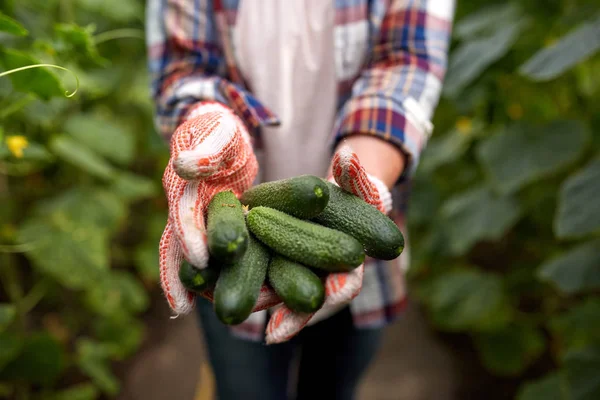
point(305, 242)
point(227, 235)
point(299, 288)
point(239, 283)
point(303, 196)
point(345, 212)
point(198, 280)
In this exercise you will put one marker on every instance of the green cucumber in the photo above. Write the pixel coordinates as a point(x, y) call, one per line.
point(227, 235)
point(198, 280)
point(305, 242)
point(303, 196)
point(299, 288)
point(239, 283)
point(345, 212)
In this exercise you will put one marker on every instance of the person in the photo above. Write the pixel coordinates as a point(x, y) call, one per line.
point(254, 91)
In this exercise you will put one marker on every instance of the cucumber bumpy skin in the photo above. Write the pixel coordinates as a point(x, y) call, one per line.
point(198, 280)
point(299, 288)
point(238, 286)
point(305, 242)
point(226, 231)
point(345, 212)
point(303, 196)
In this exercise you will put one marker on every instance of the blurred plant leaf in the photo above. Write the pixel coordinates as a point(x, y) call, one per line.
point(8, 313)
point(476, 215)
point(117, 10)
point(489, 18)
point(10, 347)
point(117, 292)
point(41, 81)
point(581, 370)
point(146, 261)
point(550, 387)
point(523, 153)
point(573, 48)
point(509, 351)
point(576, 270)
point(122, 333)
point(132, 187)
point(79, 41)
point(444, 150)
point(94, 360)
point(82, 391)
point(102, 135)
point(579, 326)
point(76, 256)
point(472, 57)
point(40, 361)
point(578, 212)
point(77, 154)
point(76, 205)
point(33, 152)
point(469, 300)
point(11, 26)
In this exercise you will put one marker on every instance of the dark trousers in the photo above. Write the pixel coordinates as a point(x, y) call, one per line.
point(333, 356)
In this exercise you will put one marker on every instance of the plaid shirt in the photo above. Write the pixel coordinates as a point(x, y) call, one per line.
point(391, 57)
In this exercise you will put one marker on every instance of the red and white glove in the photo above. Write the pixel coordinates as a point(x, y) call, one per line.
point(340, 288)
point(211, 151)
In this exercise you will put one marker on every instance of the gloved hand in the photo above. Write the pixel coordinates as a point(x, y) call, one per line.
point(340, 288)
point(211, 151)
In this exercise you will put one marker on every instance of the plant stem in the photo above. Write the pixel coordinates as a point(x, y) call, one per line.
point(12, 285)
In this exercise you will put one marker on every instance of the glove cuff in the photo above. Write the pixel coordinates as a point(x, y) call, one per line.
point(384, 193)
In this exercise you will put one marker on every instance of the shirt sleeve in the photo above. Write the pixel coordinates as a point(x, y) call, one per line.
point(187, 65)
point(396, 93)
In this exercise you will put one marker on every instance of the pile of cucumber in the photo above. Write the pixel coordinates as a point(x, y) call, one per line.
point(288, 234)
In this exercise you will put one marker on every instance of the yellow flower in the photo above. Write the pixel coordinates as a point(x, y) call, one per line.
point(16, 144)
point(464, 125)
point(515, 111)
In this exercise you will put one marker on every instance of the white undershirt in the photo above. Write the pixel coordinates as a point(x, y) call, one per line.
point(285, 51)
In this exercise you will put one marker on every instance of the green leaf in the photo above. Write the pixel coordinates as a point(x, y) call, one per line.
point(82, 391)
point(578, 213)
point(490, 18)
point(76, 256)
point(41, 81)
point(107, 212)
point(444, 150)
point(572, 49)
point(11, 26)
point(7, 315)
point(509, 351)
point(10, 347)
point(576, 270)
point(103, 136)
point(116, 10)
point(79, 41)
point(81, 156)
point(476, 215)
point(132, 187)
point(146, 261)
point(122, 333)
point(579, 326)
point(93, 359)
point(473, 57)
point(118, 292)
point(468, 300)
point(550, 387)
point(41, 361)
point(581, 369)
point(522, 153)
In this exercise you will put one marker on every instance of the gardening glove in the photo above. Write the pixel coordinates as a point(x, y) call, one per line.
point(210, 151)
point(342, 287)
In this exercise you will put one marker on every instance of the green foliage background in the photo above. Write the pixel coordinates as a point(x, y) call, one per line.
point(504, 216)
